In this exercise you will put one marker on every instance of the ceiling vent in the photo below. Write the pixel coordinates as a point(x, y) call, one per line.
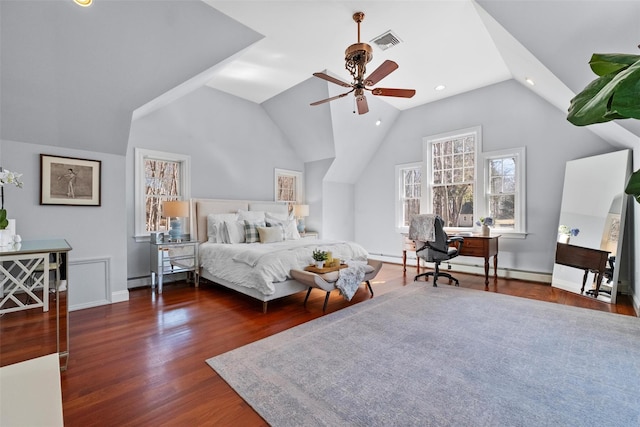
point(386, 40)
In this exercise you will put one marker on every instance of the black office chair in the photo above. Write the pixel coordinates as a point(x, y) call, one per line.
point(433, 244)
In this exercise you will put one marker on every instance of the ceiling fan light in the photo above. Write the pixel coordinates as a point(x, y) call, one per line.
point(83, 3)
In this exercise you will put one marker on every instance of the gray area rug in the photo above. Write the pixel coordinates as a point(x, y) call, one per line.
point(445, 356)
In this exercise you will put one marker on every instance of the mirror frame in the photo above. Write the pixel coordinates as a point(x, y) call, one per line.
point(582, 180)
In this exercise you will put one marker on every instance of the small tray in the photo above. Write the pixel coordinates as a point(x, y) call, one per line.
point(314, 269)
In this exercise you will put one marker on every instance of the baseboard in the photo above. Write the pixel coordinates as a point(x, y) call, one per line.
point(88, 305)
point(505, 273)
point(120, 296)
point(145, 281)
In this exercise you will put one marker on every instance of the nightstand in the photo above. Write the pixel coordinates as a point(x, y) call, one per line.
point(309, 235)
point(173, 257)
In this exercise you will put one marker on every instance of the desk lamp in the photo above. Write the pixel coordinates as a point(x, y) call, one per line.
point(176, 209)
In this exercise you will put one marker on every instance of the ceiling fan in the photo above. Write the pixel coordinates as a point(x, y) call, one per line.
point(357, 56)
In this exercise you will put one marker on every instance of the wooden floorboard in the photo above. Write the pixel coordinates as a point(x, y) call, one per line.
point(142, 362)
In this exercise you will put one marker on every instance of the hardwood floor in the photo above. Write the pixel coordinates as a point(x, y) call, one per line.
point(142, 362)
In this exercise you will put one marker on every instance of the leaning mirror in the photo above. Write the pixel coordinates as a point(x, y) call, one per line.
point(592, 217)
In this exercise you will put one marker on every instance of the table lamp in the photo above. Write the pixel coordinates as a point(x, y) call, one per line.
point(176, 209)
point(300, 211)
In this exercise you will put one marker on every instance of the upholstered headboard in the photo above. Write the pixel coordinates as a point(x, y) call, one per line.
point(200, 208)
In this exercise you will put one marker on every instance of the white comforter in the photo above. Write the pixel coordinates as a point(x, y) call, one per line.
point(259, 266)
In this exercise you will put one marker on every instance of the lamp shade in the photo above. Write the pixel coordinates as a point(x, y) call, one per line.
point(175, 208)
point(300, 210)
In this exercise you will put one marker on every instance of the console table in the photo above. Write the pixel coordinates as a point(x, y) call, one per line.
point(475, 246)
point(24, 271)
point(587, 259)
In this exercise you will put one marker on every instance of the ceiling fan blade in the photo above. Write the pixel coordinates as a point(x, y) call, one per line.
point(381, 72)
point(400, 93)
point(332, 98)
point(331, 79)
point(363, 106)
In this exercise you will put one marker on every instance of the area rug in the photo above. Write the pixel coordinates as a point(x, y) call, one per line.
point(446, 356)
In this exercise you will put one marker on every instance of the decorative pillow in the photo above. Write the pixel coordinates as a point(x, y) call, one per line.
point(279, 216)
point(251, 216)
point(235, 231)
point(290, 227)
point(271, 234)
point(215, 226)
point(251, 234)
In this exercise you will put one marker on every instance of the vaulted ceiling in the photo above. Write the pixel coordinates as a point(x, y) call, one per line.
point(75, 77)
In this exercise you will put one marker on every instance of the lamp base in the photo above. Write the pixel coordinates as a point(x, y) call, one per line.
point(301, 226)
point(176, 230)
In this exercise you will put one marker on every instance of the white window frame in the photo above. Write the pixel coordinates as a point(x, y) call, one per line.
point(141, 155)
point(399, 193)
point(299, 184)
point(426, 203)
point(520, 215)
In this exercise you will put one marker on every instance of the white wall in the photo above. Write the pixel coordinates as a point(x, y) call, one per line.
point(510, 116)
point(234, 148)
point(337, 211)
point(96, 234)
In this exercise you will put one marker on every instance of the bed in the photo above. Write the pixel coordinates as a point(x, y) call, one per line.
point(258, 269)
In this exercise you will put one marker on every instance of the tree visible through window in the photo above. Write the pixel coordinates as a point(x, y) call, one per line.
point(452, 164)
point(410, 191)
point(288, 187)
point(505, 196)
point(162, 182)
point(159, 176)
point(502, 191)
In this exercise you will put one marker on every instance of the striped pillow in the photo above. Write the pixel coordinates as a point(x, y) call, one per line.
point(251, 234)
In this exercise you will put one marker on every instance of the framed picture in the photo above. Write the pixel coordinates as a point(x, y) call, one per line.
point(69, 181)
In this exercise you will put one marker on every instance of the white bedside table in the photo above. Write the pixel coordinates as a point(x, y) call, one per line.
point(309, 235)
point(173, 257)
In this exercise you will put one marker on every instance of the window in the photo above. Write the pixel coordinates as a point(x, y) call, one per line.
point(504, 183)
point(450, 184)
point(159, 176)
point(408, 193)
point(288, 187)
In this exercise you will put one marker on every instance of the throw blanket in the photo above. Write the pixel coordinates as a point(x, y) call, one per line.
point(350, 279)
point(422, 228)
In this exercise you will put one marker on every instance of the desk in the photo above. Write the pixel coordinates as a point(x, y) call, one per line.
point(587, 259)
point(475, 246)
point(24, 271)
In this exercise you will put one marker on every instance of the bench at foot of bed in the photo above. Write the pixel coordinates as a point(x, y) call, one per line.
point(327, 281)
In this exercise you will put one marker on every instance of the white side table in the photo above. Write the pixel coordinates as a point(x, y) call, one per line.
point(173, 257)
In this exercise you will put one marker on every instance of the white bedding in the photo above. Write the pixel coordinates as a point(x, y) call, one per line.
point(259, 266)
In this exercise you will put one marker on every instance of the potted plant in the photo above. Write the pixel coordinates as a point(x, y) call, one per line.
point(319, 257)
point(565, 233)
point(613, 95)
point(485, 222)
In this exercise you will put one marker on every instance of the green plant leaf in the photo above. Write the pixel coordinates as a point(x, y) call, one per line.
point(612, 96)
point(4, 222)
point(607, 63)
point(633, 186)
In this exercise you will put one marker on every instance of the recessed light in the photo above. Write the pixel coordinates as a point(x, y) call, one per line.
point(530, 81)
point(378, 122)
point(83, 3)
point(440, 87)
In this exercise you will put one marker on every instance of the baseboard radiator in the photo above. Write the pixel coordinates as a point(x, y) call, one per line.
point(505, 273)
